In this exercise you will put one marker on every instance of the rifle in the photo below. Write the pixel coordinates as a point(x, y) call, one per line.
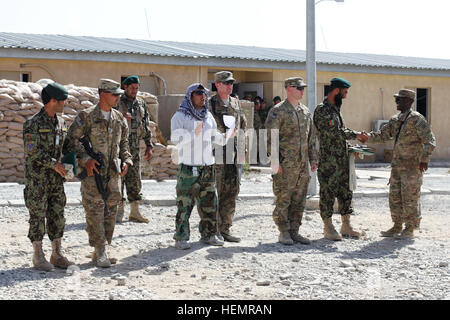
point(98, 177)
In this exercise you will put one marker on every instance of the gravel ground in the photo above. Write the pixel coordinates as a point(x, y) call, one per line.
point(150, 267)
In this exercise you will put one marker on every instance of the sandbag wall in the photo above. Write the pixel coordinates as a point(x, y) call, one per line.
point(20, 100)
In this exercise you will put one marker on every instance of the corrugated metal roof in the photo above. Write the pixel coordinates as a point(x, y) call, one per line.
point(66, 43)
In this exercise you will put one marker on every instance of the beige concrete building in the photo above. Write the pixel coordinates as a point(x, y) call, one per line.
point(167, 68)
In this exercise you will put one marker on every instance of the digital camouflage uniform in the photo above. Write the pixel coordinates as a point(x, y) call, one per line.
point(297, 147)
point(196, 185)
point(139, 128)
point(333, 171)
point(228, 174)
point(44, 189)
point(111, 139)
point(414, 145)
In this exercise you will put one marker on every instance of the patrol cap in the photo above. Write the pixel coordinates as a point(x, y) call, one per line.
point(224, 76)
point(340, 83)
point(56, 91)
point(109, 85)
point(130, 80)
point(294, 82)
point(405, 93)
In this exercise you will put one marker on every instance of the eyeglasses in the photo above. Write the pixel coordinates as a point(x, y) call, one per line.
point(199, 92)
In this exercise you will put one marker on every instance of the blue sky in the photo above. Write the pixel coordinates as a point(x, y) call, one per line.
point(398, 27)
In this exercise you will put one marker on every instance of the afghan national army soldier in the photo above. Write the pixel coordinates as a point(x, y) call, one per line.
point(107, 131)
point(43, 136)
point(333, 172)
point(135, 112)
point(228, 168)
point(414, 143)
point(297, 147)
point(194, 129)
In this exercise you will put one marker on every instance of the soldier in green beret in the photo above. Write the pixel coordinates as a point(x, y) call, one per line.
point(333, 172)
point(45, 199)
point(135, 112)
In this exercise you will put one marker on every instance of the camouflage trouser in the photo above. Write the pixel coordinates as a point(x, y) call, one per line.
point(334, 183)
point(100, 226)
point(404, 195)
point(227, 182)
point(45, 200)
point(200, 190)
point(290, 189)
point(132, 182)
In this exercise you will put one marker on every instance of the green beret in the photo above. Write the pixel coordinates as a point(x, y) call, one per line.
point(56, 91)
point(340, 83)
point(130, 80)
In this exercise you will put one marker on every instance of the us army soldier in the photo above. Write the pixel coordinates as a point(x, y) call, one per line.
point(134, 110)
point(414, 144)
point(333, 172)
point(227, 170)
point(107, 131)
point(297, 147)
point(43, 137)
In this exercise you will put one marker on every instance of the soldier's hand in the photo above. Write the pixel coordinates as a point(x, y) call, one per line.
point(91, 167)
point(127, 116)
point(234, 133)
point(125, 167)
point(148, 153)
point(362, 136)
point(198, 129)
point(59, 167)
point(276, 168)
point(423, 166)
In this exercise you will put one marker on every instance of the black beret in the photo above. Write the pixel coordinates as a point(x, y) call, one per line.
point(340, 83)
point(56, 91)
point(130, 80)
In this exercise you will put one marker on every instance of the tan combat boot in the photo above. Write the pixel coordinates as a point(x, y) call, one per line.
point(120, 211)
point(407, 233)
point(397, 228)
point(285, 238)
point(227, 236)
point(39, 261)
point(135, 214)
point(93, 256)
point(102, 259)
point(329, 231)
point(296, 237)
point(57, 259)
point(346, 228)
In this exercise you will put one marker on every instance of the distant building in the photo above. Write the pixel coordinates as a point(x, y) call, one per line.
point(169, 67)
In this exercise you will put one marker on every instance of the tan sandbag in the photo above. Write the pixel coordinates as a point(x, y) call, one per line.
point(70, 111)
point(4, 124)
point(18, 118)
point(15, 140)
point(87, 104)
point(6, 172)
point(15, 126)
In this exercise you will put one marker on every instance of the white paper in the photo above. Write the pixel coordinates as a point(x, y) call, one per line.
point(230, 122)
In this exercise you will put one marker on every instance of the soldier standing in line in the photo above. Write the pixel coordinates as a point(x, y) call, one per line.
point(107, 130)
point(228, 172)
point(135, 112)
point(414, 144)
point(333, 172)
point(297, 147)
point(257, 124)
point(43, 137)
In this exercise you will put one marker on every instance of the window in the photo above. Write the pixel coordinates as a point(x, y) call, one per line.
point(422, 101)
point(25, 77)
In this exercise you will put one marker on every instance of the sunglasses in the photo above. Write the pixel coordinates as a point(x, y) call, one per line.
point(397, 99)
point(228, 82)
point(299, 88)
point(199, 92)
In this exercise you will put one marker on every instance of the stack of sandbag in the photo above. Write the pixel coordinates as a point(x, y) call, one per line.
point(20, 100)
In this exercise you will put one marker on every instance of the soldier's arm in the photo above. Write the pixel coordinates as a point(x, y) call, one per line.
point(146, 124)
point(326, 124)
point(32, 147)
point(76, 131)
point(124, 148)
point(312, 144)
point(384, 134)
point(427, 138)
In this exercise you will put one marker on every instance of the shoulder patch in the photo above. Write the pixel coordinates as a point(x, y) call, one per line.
point(78, 121)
